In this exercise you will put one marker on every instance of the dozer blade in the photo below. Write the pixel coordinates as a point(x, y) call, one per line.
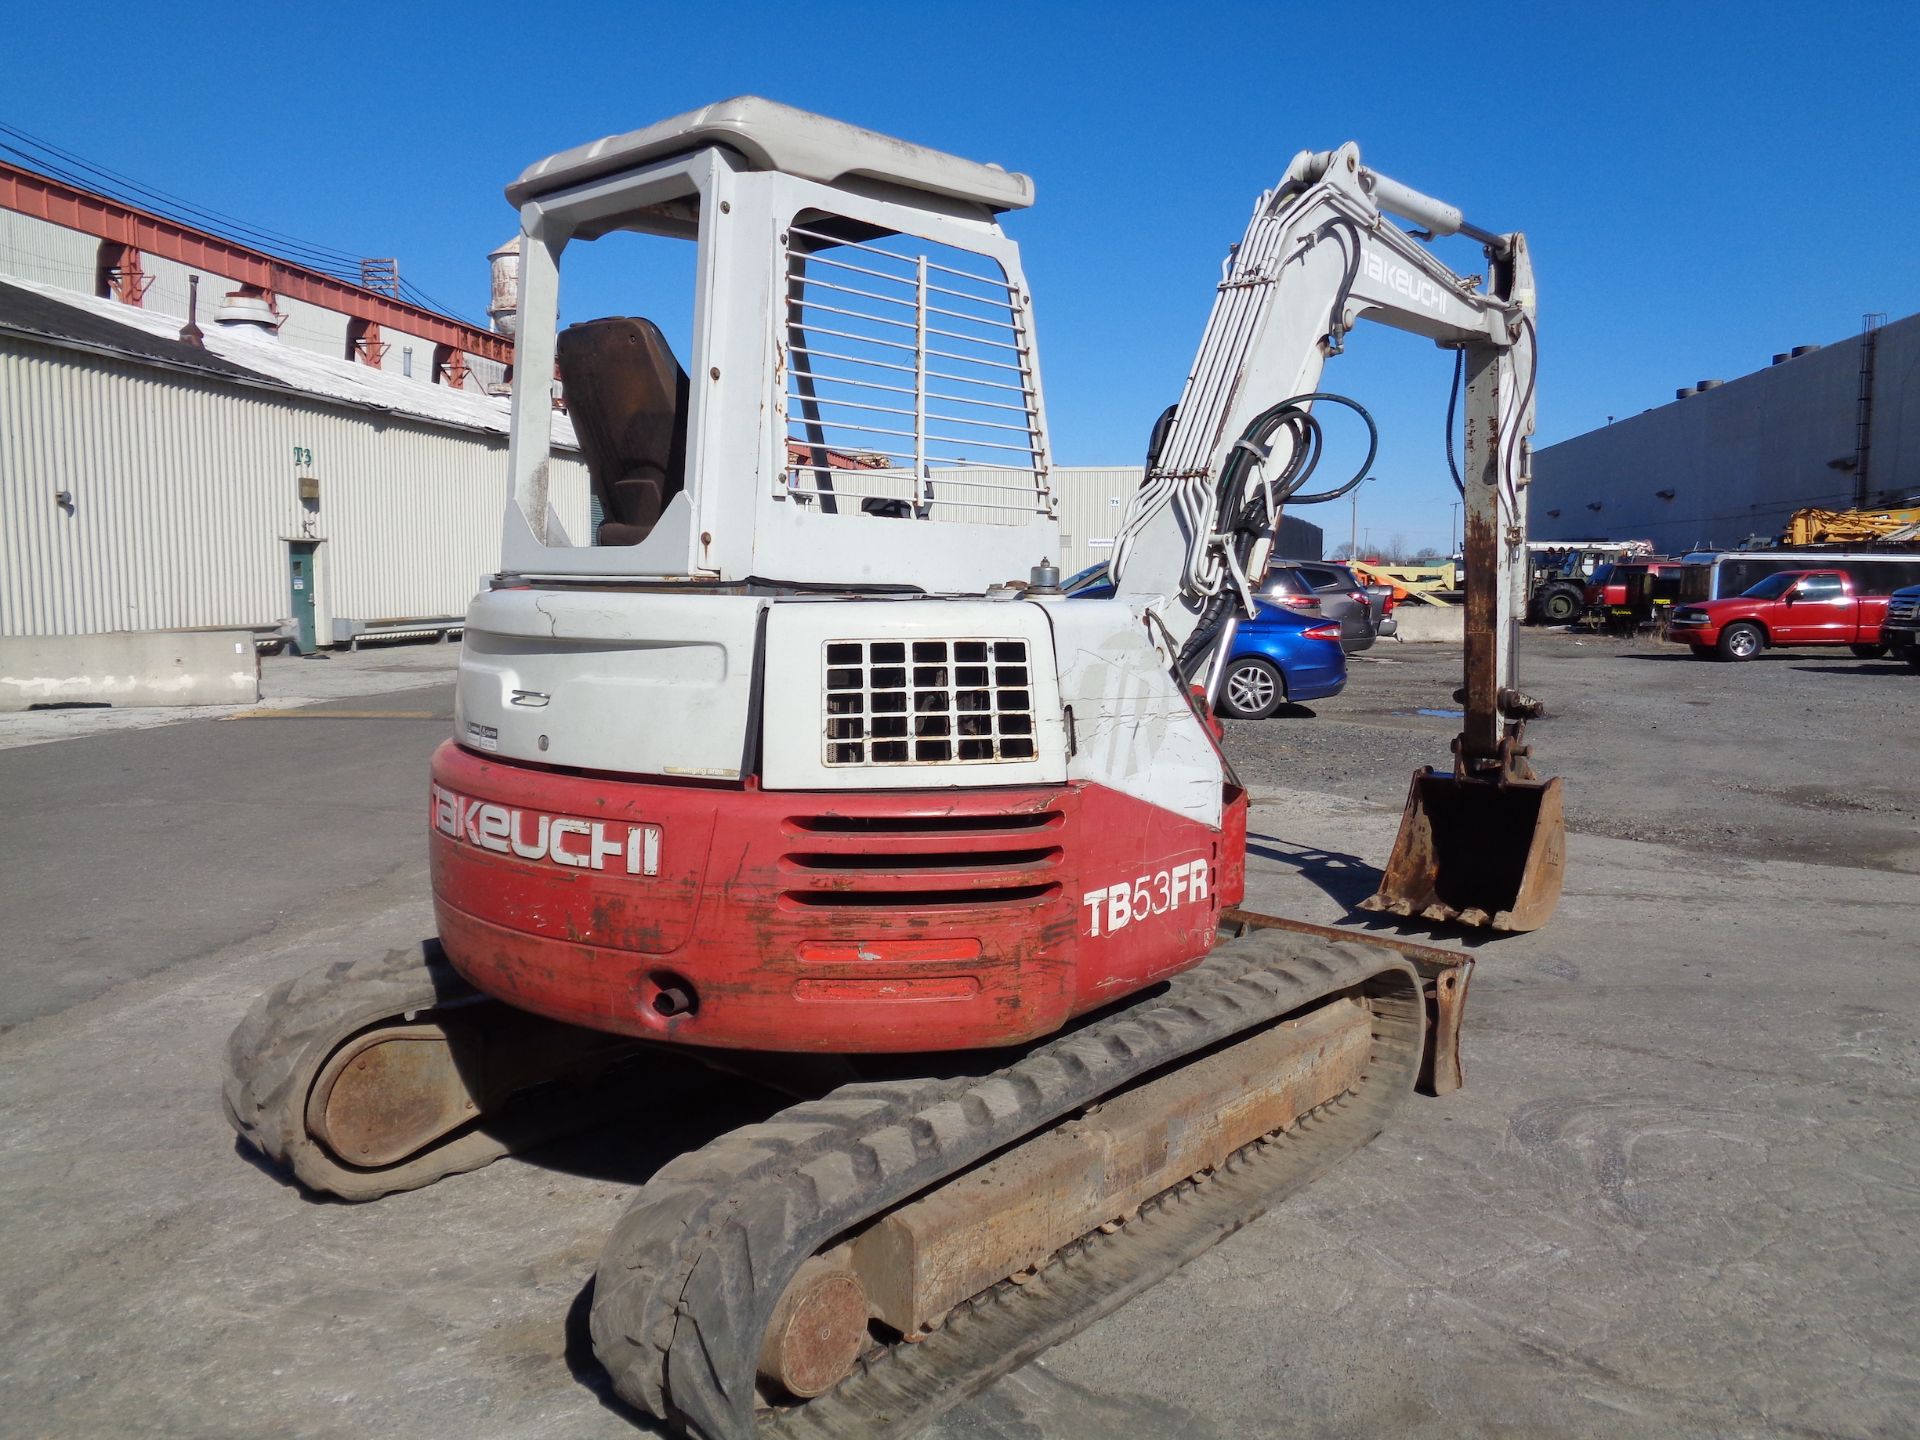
point(1488, 853)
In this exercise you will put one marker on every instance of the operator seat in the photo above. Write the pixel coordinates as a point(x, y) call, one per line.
point(628, 398)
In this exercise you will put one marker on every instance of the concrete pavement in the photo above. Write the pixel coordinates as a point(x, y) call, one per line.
point(1679, 1195)
point(132, 850)
point(286, 682)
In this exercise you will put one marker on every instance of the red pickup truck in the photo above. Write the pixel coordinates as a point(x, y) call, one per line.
point(1791, 607)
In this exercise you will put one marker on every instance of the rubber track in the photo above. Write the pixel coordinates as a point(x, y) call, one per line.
point(274, 1055)
point(691, 1273)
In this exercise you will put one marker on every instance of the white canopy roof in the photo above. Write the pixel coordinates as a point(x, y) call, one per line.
point(772, 136)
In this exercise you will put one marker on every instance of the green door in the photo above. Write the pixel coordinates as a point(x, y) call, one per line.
point(300, 576)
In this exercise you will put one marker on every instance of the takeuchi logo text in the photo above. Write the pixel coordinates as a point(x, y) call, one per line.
point(534, 835)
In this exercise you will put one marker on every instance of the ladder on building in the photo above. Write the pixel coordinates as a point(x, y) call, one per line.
point(1870, 324)
point(381, 275)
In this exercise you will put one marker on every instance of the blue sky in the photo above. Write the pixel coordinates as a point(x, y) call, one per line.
point(1701, 184)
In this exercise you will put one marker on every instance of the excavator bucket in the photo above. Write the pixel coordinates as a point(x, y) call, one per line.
point(1488, 853)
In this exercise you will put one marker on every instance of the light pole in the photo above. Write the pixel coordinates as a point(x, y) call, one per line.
point(1353, 521)
point(1453, 529)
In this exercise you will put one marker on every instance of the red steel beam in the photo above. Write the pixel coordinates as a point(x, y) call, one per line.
point(44, 198)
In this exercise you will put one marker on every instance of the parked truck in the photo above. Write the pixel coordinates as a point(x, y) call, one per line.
point(1558, 572)
point(1901, 632)
point(1626, 594)
point(1788, 608)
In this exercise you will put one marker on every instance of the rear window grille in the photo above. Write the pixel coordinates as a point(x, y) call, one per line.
point(909, 389)
point(928, 702)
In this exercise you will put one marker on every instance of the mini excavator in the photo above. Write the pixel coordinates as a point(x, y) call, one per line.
point(792, 756)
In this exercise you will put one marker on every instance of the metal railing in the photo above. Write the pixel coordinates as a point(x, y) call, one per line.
point(909, 386)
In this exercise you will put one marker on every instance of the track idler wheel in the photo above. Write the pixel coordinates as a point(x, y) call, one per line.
point(818, 1330)
point(388, 1074)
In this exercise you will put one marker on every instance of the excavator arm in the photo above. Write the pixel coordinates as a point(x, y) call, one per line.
point(1321, 253)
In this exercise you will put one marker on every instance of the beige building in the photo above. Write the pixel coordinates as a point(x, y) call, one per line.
point(312, 458)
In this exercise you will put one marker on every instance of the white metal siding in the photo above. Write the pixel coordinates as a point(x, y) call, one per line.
point(1712, 469)
point(398, 342)
point(312, 327)
point(185, 493)
point(49, 254)
point(483, 374)
point(1093, 502)
point(168, 288)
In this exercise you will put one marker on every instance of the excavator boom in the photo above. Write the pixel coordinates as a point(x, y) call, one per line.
point(1481, 842)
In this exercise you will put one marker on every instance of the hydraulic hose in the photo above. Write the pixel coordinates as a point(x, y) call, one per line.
point(1243, 520)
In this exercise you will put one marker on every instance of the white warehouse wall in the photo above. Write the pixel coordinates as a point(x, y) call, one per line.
point(1093, 501)
point(45, 253)
point(1742, 457)
point(185, 496)
point(49, 254)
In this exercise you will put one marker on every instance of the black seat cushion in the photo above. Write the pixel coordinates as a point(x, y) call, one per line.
point(628, 399)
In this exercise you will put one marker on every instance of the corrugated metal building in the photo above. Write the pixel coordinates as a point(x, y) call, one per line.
point(1092, 502)
point(149, 483)
point(53, 232)
point(1833, 426)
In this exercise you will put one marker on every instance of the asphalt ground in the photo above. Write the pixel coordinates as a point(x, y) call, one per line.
point(1680, 1194)
point(128, 853)
point(1798, 754)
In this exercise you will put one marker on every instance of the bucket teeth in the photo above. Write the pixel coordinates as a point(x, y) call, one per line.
point(1489, 854)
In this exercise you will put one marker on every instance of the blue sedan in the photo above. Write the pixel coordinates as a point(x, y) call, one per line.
point(1280, 656)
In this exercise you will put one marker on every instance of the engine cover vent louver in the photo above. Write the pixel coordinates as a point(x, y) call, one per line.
point(918, 862)
point(927, 702)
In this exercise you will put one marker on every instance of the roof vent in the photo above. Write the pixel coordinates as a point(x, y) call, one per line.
point(247, 309)
point(1706, 385)
point(504, 308)
point(191, 333)
point(1782, 358)
point(1683, 392)
point(1800, 350)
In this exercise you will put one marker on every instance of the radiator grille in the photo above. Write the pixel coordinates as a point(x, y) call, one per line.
point(1903, 609)
point(928, 702)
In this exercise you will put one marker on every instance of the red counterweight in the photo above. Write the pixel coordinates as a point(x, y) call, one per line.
point(815, 921)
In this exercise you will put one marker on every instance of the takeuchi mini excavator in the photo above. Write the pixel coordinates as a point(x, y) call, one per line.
point(796, 761)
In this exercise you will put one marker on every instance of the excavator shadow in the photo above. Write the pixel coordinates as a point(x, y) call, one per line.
point(669, 1106)
point(1347, 878)
point(654, 1110)
point(585, 1367)
point(1858, 667)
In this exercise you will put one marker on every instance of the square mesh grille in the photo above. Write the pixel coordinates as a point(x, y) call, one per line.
point(928, 702)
